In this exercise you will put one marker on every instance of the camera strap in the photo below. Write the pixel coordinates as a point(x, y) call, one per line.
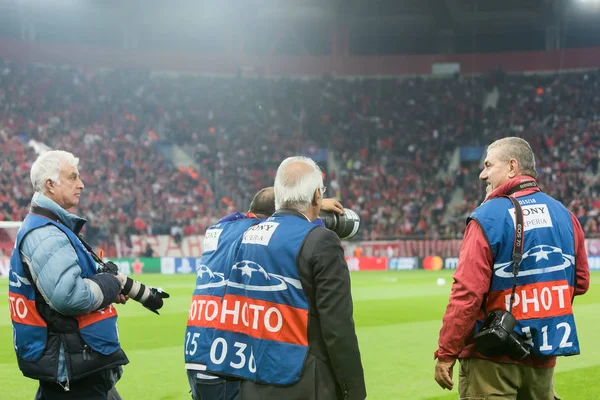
point(517, 255)
point(522, 186)
point(44, 212)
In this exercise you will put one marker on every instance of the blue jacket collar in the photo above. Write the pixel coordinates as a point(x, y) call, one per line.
point(71, 221)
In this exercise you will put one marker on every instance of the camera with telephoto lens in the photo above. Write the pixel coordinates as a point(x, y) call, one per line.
point(345, 226)
point(149, 297)
point(498, 338)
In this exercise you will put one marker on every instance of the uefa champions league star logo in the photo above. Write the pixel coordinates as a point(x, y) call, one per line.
point(248, 267)
point(205, 269)
point(538, 260)
point(249, 275)
point(207, 279)
point(246, 275)
point(16, 280)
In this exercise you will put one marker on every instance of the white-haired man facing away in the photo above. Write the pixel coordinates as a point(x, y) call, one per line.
point(65, 327)
point(294, 337)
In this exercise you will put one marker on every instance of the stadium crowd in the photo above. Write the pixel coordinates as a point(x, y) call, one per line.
point(389, 143)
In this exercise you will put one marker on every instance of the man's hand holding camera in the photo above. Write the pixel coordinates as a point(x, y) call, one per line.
point(149, 297)
point(121, 299)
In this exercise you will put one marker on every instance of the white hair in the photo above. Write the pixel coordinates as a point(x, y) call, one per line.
point(48, 166)
point(295, 186)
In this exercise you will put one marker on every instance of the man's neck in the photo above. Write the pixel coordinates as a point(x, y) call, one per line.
point(307, 216)
point(305, 213)
point(310, 213)
point(512, 183)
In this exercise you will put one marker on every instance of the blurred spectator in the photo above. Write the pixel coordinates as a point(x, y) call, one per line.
point(148, 252)
point(390, 143)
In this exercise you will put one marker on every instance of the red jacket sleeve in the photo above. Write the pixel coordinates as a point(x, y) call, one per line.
point(582, 269)
point(471, 283)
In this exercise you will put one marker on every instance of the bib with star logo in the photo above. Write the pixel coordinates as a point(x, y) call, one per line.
point(98, 329)
point(260, 325)
point(546, 279)
point(211, 278)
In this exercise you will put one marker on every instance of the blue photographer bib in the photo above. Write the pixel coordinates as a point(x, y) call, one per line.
point(261, 325)
point(546, 280)
point(98, 329)
point(211, 279)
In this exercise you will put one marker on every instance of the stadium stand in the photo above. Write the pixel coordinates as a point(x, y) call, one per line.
point(389, 142)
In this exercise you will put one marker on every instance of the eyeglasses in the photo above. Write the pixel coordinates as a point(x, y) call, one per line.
point(323, 189)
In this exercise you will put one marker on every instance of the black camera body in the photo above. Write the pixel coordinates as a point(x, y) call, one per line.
point(345, 226)
point(108, 267)
point(498, 338)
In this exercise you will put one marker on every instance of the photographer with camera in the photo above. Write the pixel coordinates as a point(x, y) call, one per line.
point(284, 325)
point(521, 263)
point(218, 240)
point(65, 326)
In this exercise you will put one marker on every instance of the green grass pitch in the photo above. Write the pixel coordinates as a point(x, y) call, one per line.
point(398, 317)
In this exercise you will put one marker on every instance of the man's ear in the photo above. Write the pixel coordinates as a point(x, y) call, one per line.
point(514, 168)
point(49, 185)
point(316, 195)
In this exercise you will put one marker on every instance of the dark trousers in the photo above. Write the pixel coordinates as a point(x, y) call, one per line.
point(97, 386)
point(213, 389)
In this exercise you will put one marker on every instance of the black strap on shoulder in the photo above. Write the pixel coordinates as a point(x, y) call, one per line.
point(44, 212)
point(521, 186)
point(517, 255)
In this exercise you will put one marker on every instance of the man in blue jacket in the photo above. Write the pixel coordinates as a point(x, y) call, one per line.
point(65, 326)
point(210, 287)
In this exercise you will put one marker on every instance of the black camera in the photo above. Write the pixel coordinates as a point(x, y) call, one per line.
point(498, 338)
point(149, 297)
point(345, 226)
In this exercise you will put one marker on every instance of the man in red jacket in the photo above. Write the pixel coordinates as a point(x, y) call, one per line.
point(554, 270)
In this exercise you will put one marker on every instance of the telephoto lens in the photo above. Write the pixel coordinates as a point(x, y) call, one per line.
point(345, 226)
point(149, 297)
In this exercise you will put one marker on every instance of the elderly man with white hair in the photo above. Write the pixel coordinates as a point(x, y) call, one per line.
point(65, 326)
point(285, 323)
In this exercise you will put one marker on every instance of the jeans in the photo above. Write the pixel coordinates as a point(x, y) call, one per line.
point(212, 389)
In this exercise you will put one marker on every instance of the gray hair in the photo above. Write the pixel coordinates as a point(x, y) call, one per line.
point(48, 166)
point(520, 150)
point(296, 180)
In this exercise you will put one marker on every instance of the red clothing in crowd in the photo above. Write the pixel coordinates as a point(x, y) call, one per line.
point(472, 281)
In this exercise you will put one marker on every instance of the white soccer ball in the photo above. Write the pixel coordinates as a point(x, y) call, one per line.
point(441, 281)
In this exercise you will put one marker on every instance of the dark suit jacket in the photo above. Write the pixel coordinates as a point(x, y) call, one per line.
point(333, 368)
